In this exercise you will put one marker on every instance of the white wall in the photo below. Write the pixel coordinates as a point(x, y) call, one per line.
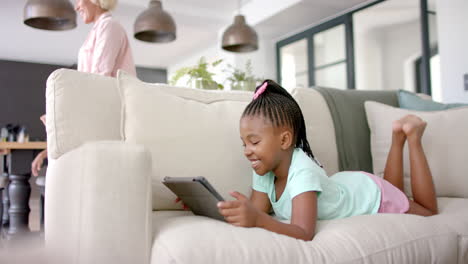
point(263, 60)
point(387, 39)
point(399, 43)
point(452, 23)
point(381, 54)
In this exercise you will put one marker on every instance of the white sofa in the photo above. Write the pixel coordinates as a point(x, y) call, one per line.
point(112, 140)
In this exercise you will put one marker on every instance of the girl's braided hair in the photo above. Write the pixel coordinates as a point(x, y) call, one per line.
point(274, 103)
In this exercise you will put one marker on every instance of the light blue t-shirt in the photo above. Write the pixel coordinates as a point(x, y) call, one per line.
point(342, 195)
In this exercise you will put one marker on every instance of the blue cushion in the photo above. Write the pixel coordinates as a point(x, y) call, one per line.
point(412, 101)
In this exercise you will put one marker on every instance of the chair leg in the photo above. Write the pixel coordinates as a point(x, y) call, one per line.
point(1, 211)
point(41, 210)
point(5, 220)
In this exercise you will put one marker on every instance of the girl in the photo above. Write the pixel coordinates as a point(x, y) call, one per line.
point(289, 180)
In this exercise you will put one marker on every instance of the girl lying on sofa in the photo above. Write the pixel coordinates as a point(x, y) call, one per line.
point(288, 179)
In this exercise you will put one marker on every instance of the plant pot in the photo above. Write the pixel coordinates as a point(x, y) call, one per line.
point(204, 84)
point(243, 86)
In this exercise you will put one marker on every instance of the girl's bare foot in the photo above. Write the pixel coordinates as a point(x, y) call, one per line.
point(398, 135)
point(413, 127)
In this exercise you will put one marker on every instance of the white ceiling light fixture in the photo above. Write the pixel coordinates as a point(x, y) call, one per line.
point(239, 37)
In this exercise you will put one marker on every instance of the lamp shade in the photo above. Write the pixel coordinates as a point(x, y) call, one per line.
point(240, 37)
point(154, 24)
point(50, 14)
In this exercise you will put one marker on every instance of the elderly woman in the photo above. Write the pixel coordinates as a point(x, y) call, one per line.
point(38, 161)
point(106, 48)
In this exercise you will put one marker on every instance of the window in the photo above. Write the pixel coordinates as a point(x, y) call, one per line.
point(330, 57)
point(321, 56)
point(294, 67)
point(373, 46)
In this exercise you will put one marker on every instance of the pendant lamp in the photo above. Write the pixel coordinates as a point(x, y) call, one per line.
point(240, 37)
point(154, 24)
point(50, 14)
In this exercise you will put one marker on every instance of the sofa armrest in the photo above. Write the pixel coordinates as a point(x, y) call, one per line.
point(72, 97)
point(98, 204)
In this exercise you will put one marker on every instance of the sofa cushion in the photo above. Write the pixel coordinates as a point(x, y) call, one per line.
point(444, 141)
point(189, 132)
point(72, 97)
point(385, 238)
point(453, 213)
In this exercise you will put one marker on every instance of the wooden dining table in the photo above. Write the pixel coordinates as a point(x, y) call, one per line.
point(18, 158)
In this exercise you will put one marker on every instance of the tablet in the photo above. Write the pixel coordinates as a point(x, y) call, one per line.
point(197, 193)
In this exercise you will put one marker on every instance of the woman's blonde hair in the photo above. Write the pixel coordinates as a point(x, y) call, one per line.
point(105, 4)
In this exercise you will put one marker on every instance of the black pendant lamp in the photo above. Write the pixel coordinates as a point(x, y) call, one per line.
point(240, 37)
point(154, 24)
point(50, 14)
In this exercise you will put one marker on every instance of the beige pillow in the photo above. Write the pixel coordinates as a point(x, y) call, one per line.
point(445, 144)
point(189, 132)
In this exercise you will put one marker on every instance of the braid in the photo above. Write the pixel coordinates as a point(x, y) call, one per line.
point(278, 106)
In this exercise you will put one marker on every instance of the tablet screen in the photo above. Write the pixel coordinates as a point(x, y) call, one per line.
point(197, 193)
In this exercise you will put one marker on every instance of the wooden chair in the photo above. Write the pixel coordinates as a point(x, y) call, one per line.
point(40, 182)
point(3, 185)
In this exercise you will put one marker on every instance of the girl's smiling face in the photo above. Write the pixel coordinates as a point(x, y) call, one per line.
point(262, 143)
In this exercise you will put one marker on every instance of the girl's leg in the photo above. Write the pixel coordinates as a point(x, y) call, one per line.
point(417, 209)
point(394, 166)
point(422, 184)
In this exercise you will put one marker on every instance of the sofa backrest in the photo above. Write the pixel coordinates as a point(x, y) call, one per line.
point(193, 132)
point(83, 107)
point(319, 127)
point(80, 107)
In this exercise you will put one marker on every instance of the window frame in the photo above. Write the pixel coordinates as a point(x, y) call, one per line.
point(347, 20)
point(308, 34)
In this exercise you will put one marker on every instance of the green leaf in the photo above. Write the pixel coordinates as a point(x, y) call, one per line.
point(238, 75)
point(199, 71)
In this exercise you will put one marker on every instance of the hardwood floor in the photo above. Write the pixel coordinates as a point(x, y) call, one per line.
point(34, 215)
point(26, 248)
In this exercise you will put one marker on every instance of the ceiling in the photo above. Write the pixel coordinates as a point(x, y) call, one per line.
point(388, 14)
point(200, 24)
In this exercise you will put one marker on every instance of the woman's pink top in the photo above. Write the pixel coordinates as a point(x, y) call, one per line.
point(106, 49)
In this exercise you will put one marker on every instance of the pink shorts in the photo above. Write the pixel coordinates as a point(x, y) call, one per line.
point(393, 200)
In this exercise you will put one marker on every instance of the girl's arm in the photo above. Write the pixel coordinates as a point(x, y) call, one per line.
point(242, 212)
point(261, 201)
point(303, 218)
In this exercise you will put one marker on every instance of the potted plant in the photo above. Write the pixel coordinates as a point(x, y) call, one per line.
point(198, 75)
point(242, 80)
